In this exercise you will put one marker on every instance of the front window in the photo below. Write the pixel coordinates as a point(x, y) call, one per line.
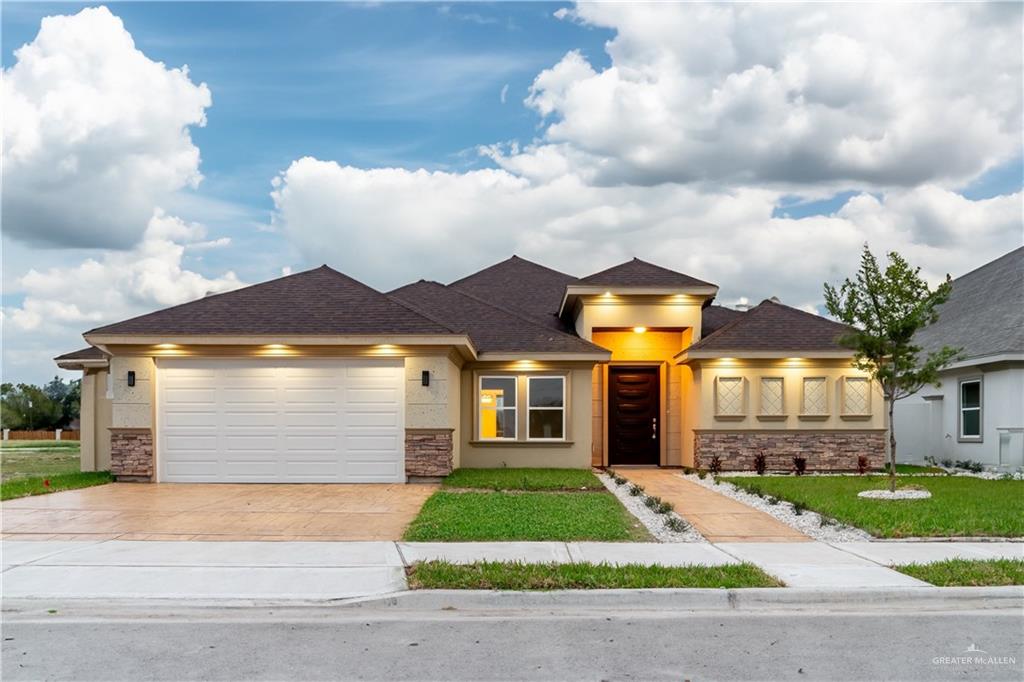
point(856, 396)
point(970, 409)
point(546, 397)
point(729, 398)
point(498, 408)
point(815, 397)
point(773, 403)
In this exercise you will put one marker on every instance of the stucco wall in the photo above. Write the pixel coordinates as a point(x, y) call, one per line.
point(1002, 407)
point(133, 406)
point(95, 416)
point(575, 454)
point(793, 372)
point(624, 312)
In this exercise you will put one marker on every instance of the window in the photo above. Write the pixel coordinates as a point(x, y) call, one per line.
point(498, 408)
point(970, 409)
point(856, 396)
point(815, 397)
point(773, 402)
point(546, 408)
point(729, 398)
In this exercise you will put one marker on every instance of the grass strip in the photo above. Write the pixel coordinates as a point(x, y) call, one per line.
point(36, 485)
point(968, 572)
point(507, 516)
point(523, 479)
point(497, 575)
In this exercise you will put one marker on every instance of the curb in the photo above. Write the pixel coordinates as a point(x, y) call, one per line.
point(694, 599)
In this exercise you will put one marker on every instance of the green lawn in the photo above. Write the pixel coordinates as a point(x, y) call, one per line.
point(916, 469)
point(959, 506)
point(36, 485)
point(466, 516)
point(22, 458)
point(524, 479)
point(967, 572)
point(518, 576)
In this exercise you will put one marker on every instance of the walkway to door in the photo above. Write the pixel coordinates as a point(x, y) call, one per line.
point(716, 517)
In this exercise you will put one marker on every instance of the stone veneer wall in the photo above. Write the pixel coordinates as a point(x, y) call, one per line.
point(131, 454)
point(428, 452)
point(824, 450)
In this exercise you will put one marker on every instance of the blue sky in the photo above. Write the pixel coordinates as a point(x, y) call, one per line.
point(655, 131)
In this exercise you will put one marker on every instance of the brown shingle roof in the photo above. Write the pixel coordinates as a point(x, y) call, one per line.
point(714, 317)
point(522, 286)
point(640, 273)
point(773, 326)
point(320, 301)
point(90, 353)
point(491, 328)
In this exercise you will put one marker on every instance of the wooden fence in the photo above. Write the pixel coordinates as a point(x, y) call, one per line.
point(43, 435)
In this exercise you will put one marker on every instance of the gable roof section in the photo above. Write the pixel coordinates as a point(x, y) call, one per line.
point(322, 301)
point(492, 329)
point(82, 358)
point(522, 286)
point(771, 329)
point(638, 273)
point(984, 314)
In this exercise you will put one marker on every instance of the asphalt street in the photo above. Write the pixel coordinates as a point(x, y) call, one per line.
point(332, 642)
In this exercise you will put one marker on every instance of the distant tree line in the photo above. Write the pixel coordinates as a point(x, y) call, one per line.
point(26, 407)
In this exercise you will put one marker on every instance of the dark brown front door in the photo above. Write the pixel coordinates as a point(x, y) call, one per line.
point(634, 401)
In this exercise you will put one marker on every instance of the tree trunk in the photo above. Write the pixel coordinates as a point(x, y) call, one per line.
point(892, 449)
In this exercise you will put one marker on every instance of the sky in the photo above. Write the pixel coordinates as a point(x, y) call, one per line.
point(154, 152)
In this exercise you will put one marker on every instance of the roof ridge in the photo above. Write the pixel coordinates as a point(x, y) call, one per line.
point(420, 312)
point(513, 257)
point(724, 327)
point(815, 316)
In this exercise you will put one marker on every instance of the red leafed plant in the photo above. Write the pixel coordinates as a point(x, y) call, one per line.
point(46, 482)
point(862, 464)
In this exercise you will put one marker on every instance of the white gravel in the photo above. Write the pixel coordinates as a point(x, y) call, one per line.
point(654, 522)
point(898, 495)
point(808, 523)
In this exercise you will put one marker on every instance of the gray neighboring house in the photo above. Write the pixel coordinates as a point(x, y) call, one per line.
point(977, 412)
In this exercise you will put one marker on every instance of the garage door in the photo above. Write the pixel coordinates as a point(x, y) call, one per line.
point(294, 421)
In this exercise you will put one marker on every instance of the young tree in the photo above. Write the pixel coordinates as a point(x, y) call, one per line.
point(887, 308)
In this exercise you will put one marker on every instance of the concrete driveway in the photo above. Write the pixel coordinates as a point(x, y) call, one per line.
point(217, 511)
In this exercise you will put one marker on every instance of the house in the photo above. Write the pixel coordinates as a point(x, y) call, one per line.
point(318, 377)
point(977, 411)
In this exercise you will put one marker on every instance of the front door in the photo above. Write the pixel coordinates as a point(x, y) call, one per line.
point(634, 404)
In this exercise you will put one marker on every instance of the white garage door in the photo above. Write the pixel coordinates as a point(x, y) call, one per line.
point(280, 420)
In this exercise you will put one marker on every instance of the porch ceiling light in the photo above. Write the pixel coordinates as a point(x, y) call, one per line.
point(639, 330)
point(166, 346)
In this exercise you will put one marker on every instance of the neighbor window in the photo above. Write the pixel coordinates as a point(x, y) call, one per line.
point(856, 396)
point(814, 401)
point(773, 403)
point(729, 398)
point(498, 408)
point(970, 409)
point(546, 408)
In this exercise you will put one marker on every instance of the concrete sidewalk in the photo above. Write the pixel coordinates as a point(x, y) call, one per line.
point(336, 570)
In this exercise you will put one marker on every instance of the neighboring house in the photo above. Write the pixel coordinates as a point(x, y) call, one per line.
point(977, 412)
point(317, 377)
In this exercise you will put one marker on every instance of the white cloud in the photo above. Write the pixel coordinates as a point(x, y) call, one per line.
point(787, 95)
point(95, 134)
point(60, 303)
point(504, 93)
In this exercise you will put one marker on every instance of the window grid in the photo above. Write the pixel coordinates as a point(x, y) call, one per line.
point(730, 396)
point(815, 396)
point(772, 397)
point(856, 396)
point(530, 408)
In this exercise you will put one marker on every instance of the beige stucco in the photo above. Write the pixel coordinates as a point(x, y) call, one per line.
point(574, 453)
point(435, 406)
point(792, 371)
point(133, 406)
point(96, 419)
point(614, 311)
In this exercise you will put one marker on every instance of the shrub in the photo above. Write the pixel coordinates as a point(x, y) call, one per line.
point(772, 500)
point(619, 480)
point(760, 463)
point(676, 524)
point(716, 465)
point(702, 474)
point(755, 490)
point(826, 521)
point(862, 464)
point(800, 465)
point(799, 507)
point(948, 463)
point(653, 501)
point(688, 470)
point(610, 472)
point(635, 489)
point(717, 480)
point(970, 465)
point(931, 460)
point(664, 507)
